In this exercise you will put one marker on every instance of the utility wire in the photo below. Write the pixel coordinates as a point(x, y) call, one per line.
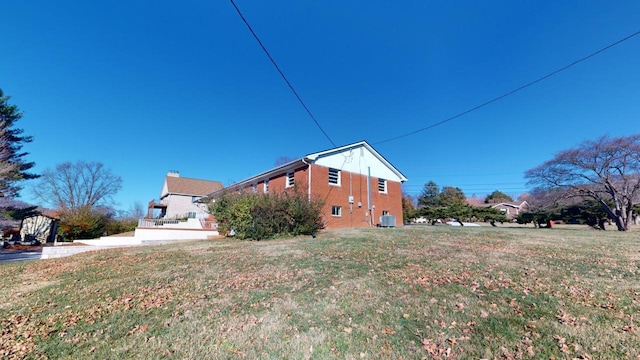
point(512, 91)
point(282, 74)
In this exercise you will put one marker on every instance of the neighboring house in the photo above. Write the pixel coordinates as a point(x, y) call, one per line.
point(178, 198)
point(511, 209)
point(42, 227)
point(355, 182)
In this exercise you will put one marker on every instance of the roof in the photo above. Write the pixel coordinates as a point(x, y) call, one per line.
point(189, 186)
point(316, 156)
point(514, 204)
point(312, 158)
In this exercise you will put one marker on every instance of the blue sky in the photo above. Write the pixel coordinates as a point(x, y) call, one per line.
point(150, 86)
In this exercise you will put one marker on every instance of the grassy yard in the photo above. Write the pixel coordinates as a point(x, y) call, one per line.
point(414, 292)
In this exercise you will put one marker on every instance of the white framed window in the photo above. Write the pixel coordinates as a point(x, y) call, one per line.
point(336, 210)
point(254, 188)
point(266, 186)
point(290, 179)
point(382, 186)
point(385, 212)
point(334, 176)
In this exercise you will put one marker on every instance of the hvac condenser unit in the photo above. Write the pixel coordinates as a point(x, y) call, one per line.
point(387, 221)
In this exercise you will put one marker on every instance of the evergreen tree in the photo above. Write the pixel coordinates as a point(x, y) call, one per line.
point(429, 195)
point(497, 197)
point(13, 166)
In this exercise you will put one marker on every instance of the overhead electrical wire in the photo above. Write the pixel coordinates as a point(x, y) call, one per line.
point(510, 92)
point(282, 74)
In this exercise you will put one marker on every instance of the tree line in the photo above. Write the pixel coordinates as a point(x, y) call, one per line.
point(595, 183)
point(435, 204)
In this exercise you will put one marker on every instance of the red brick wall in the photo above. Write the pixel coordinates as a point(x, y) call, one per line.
point(354, 184)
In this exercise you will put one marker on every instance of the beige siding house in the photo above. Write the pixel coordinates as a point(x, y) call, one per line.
point(178, 198)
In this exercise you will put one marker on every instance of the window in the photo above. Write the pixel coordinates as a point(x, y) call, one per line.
point(290, 179)
point(382, 185)
point(385, 212)
point(336, 210)
point(334, 176)
point(254, 188)
point(266, 186)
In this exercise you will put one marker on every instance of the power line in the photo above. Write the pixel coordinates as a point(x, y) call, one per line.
point(282, 74)
point(512, 91)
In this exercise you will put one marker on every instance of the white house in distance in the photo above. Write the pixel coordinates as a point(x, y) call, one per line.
point(178, 198)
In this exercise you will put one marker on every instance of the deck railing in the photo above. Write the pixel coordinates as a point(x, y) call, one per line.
point(158, 223)
point(149, 223)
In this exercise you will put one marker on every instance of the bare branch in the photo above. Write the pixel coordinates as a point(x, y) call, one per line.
point(74, 185)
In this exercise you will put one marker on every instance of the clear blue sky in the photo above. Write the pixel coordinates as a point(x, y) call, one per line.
point(150, 86)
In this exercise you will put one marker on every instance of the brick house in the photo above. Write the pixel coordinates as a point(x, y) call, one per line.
point(178, 197)
point(356, 183)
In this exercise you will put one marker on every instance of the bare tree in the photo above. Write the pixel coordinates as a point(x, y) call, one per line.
point(75, 185)
point(606, 169)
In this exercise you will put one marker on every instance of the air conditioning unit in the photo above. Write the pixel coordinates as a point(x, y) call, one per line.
point(387, 221)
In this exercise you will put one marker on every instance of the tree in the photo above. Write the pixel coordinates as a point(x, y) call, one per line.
point(13, 166)
point(408, 210)
point(451, 196)
point(497, 197)
point(429, 195)
point(75, 185)
point(606, 170)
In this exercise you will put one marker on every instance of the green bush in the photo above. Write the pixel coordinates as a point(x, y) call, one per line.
point(264, 216)
point(120, 225)
point(83, 223)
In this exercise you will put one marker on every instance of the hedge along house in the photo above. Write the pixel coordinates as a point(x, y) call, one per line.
point(358, 186)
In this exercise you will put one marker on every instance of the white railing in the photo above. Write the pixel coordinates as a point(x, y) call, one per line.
point(150, 223)
point(183, 224)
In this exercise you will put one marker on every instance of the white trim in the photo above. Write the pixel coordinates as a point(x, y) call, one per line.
point(290, 179)
point(338, 210)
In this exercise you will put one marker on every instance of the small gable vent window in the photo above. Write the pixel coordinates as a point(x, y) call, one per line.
point(290, 179)
point(382, 185)
point(334, 176)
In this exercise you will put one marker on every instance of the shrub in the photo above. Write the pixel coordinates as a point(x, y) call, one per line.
point(120, 225)
point(84, 222)
point(263, 216)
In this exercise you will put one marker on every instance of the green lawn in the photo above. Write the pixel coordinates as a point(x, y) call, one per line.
point(414, 292)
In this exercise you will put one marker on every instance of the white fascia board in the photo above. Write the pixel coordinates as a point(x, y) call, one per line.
point(358, 158)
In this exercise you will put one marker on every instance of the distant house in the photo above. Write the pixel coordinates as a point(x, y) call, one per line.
point(41, 227)
point(178, 198)
point(511, 209)
point(359, 186)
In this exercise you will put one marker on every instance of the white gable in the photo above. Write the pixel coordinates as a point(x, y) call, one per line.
point(359, 158)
